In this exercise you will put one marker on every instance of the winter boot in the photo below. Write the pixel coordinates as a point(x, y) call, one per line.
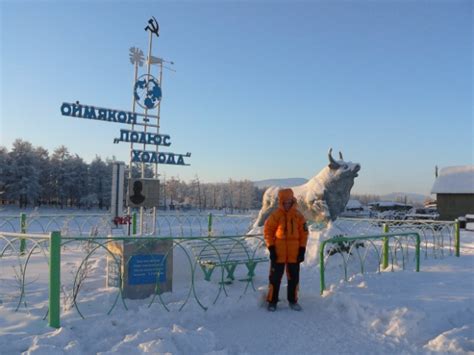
point(295, 306)
point(272, 307)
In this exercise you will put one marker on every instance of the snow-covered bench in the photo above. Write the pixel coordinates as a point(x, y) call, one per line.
point(225, 252)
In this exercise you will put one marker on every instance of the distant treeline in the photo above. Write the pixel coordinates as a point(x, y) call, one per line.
point(30, 176)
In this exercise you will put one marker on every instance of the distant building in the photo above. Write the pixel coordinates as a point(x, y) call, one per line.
point(355, 209)
point(454, 189)
point(382, 206)
point(354, 206)
point(389, 209)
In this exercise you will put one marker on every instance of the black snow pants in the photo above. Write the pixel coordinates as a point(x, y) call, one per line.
point(276, 274)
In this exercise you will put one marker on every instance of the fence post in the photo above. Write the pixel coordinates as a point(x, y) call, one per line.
point(134, 223)
point(417, 252)
point(154, 220)
point(385, 247)
point(322, 284)
point(54, 279)
point(209, 225)
point(23, 231)
point(457, 238)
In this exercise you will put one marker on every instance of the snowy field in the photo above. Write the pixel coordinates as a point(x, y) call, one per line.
point(389, 312)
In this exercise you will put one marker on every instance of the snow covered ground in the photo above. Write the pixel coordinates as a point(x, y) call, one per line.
point(390, 312)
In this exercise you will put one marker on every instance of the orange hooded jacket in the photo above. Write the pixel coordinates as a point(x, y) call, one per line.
point(287, 231)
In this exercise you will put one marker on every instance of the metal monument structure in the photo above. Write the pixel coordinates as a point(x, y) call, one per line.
point(144, 134)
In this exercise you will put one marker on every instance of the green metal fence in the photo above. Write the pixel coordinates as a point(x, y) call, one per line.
point(25, 246)
point(73, 224)
point(211, 264)
point(101, 224)
point(437, 237)
point(397, 253)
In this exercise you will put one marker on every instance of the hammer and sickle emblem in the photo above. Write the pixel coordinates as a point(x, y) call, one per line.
point(153, 26)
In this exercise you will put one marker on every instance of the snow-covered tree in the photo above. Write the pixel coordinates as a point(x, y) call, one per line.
point(22, 180)
point(99, 181)
point(196, 194)
point(29, 175)
point(60, 174)
point(78, 179)
point(3, 171)
point(44, 168)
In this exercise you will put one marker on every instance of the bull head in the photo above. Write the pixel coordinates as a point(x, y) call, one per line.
point(334, 165)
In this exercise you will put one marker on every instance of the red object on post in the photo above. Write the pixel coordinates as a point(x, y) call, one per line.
point(122, 220)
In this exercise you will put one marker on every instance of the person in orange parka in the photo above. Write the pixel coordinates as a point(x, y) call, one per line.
point(286, 235)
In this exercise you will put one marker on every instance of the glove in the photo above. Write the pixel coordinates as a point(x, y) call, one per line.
point(301, 253)
point(273, 255)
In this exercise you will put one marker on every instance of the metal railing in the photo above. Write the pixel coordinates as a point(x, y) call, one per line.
point(382, 251)
point(75, 224)
point(51, 249)
point(22, 250)
point(170, 224)
point(15, 245)
point(437, 236)
point(194, 225)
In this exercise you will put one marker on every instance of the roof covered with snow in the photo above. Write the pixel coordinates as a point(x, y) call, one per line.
point(352, 204)
point(455, 180)
point(387, 204)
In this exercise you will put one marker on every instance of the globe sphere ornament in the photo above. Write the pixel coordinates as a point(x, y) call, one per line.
point(147, 91)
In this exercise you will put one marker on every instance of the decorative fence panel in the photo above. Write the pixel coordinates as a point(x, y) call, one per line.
point(374, 251)
point(73, 266)
point(76, 277)
point(167, 224)
point(437, 237)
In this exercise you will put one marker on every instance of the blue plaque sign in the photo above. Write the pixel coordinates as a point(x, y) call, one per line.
point(143, 269)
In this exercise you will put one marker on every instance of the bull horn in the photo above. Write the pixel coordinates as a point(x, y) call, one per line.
point(340, 156)
point(332, 162)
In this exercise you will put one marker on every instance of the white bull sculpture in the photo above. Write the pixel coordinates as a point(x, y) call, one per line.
point(323, 197)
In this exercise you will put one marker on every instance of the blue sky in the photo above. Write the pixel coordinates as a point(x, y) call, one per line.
point(262, 89)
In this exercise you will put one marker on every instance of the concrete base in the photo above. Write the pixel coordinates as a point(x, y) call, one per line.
point(146, 267)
